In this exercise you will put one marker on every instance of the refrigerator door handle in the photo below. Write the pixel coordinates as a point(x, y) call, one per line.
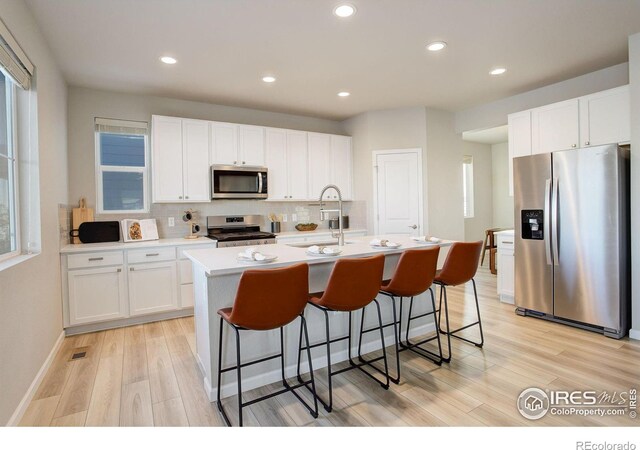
point(547, 220)
point(554, 223)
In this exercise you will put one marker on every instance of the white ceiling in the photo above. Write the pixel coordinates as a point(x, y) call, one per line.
point(224, 47)
point(496, 135)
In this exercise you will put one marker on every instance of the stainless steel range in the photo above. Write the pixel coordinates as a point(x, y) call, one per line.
point(236, 231)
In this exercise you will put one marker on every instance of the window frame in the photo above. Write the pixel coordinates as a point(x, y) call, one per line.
point(103, 168)
point(468, 191)
point(12, 139)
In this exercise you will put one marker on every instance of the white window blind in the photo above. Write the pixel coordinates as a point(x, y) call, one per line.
point(13, 60)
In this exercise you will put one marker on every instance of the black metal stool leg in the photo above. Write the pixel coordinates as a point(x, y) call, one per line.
point(300, 348)
point(384, 350)
point(416, 346)
point(396, 380)
point(443, 290)
point(314, 413)
point(239, 376)
point(328, 407)
point(475, 293)
point(218, 398)
point(437, 324)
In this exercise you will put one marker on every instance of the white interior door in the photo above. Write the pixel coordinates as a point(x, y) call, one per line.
point(398, 191)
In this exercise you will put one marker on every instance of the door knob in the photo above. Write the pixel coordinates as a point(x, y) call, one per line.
point(413, 226)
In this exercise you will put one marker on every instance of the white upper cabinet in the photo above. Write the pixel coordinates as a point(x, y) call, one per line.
point(251, 146)
point(605, 117)
point(195, 160)
point(330, 163)
point(166, 162)
point(237, 145)
point(286, 158)
point(519, 140)
point(555, 127)
point(180, 160)
point(224, 143)
point(341, 165)
point(319, 163)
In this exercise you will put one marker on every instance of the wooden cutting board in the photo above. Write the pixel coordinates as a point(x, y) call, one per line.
point(80, 215)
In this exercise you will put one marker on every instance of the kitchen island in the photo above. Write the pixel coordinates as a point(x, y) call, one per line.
point(216, 274)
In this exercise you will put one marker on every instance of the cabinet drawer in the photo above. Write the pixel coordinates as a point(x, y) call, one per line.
point(97, 259)
point(180, 250)
point(505, 242)
point(151, 255)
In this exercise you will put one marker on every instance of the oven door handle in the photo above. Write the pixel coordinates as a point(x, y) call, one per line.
point(260, 175)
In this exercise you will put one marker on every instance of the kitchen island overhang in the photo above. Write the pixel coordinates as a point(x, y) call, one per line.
point(216, 275)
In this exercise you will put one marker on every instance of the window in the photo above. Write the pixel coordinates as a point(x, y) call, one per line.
point(9, 229)
point(121, 166)
point(467, 186)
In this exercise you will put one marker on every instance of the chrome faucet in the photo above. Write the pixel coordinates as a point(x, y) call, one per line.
point(323, 212)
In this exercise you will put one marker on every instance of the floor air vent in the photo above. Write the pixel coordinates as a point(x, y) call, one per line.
point(79, 353)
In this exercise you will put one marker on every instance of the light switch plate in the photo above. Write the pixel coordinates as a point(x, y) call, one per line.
point(294, 217)
point(172, 222)
point(285, 218)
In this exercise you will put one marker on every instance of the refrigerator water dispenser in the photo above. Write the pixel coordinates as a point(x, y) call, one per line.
point(532, 224)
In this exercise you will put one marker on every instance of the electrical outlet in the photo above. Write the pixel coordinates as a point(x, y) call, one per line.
point(172, 221)
point(285, 218)
point(294, 217)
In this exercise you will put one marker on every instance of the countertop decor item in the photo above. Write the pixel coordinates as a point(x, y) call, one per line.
point(134, 230)
point(194, 228)
point(80, 215)
point(306, 226)
point(92, 232)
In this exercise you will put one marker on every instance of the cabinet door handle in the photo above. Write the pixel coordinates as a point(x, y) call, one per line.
point(574, 146)
point(186, 197)
point(243, 162)
point(507, 242)
point(587, 143)
point(118, 270)
point(131, 269)
point(235, 162)
point(180, 197)
point(153, 254)
point(96, 259)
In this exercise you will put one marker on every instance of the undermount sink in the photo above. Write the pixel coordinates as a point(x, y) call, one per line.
point(319, 243)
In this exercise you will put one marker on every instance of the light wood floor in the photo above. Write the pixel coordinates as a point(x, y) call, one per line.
point(147, 375)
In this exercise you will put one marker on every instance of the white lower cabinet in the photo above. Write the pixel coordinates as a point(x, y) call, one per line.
point(102, 286)
point(96, 294)
point(506, 268)
point(153, 288)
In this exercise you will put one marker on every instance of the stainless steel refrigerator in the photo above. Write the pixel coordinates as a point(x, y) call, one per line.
point(572, 249)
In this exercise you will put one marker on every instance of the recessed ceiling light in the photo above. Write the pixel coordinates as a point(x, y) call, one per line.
point(268, 79)
point(345, 10)
point(436, 46)
point(343, 94)
point(498, 71)
point(168, 60)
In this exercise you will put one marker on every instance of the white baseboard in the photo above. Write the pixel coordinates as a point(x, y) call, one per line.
point(634, 334)
point(35, 384)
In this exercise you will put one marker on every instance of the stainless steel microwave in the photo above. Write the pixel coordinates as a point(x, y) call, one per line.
point(238, 182)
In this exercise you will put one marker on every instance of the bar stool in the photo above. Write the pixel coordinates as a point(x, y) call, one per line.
point(413, 276)
point(266, 300)
point(459, 268)
point(353, 285)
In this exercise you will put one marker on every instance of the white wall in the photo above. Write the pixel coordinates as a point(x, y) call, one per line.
point(502, 202)
point(474, 228)
point(30, 298)
point(495, 113)
point(86, 104)
point(634, 81)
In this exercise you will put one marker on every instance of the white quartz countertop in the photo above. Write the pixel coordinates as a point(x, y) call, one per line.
point(101, 246)
point(327, 231)
point(223, 261)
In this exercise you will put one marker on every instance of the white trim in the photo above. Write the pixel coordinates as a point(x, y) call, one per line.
point(418, 152)
point(17, 415)
point(634, 334)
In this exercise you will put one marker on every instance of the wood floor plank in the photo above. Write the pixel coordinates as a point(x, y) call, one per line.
point(113, 344)
point(164, 385)
point(135, 367)
point(77, 391)
point(40, 412)
point(134, 335)
point(153, 330)
point(104, 408)
point(60, 370)
point(170, 413)
point(135, 406)
point(72, 420)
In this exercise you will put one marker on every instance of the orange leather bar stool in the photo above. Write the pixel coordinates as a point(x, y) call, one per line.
point(459, 268)
point(266, 300)
point(414, 275)
point(353, 284)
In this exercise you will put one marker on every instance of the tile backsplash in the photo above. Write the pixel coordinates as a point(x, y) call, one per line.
point(356, 210)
